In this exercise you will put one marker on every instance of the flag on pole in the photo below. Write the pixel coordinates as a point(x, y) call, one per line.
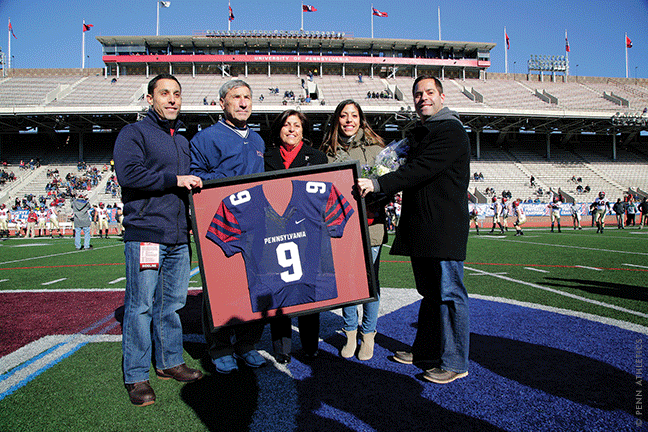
point(231, 14)
point(508, 44)
point(11, 30)
point(628, 42)
point(165, 4)
point(308, 8)
point(379, 13)
point(86, 27)
point(567, 43)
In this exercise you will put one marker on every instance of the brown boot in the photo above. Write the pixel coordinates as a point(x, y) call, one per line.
point(348, 350)
point(141, 393)
point(366, 346)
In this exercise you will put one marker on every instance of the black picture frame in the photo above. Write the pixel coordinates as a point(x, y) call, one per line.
point(224, 279)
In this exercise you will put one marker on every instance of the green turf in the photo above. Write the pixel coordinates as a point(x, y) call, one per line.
point(557, 255)
point(85, 391)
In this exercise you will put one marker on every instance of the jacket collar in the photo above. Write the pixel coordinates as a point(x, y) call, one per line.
point(163, 123)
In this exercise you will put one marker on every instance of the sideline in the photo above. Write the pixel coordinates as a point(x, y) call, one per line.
point(59, 254)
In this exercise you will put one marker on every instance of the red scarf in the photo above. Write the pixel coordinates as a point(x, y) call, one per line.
point(289, 155)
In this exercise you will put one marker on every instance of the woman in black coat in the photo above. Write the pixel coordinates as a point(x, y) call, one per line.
point(289, 149)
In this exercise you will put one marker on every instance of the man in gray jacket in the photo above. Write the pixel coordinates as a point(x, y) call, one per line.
point(81, 207)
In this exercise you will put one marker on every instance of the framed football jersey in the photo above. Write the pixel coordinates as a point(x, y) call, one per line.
point(285, 242)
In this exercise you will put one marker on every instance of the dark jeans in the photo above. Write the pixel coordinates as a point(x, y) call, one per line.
point(443, 335)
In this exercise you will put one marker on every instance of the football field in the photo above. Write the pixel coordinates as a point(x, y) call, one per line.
point(559, 336)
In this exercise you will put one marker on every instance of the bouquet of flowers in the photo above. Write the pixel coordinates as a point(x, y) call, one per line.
point(389, 159)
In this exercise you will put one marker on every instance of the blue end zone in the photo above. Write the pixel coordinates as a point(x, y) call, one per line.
point(529, 370)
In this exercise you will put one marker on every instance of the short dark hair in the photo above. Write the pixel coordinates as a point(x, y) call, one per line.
point(153, 83)
point(279, 122)
point(437, 82)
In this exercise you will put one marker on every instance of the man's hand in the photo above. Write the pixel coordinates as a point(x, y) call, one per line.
point(365, 186)
point(189, 181)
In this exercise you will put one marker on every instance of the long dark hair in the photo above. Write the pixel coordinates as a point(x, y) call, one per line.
point(280, 120)
point(329, 145)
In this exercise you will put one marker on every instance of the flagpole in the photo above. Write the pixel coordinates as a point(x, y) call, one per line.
point(625, 42)
point(566, 54)
point(302, 17)
point(83, 46)
point(157, 22)
point(439, 15)
point(229, 21)
point(371, 20)
point(9, 45)
point(505, 53)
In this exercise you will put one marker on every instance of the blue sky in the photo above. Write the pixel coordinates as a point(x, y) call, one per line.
point(49, 33)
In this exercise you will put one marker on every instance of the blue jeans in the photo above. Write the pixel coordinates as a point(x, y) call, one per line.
point(443, 335)
point(369, 310)
point(86, 237)
point(153, 297)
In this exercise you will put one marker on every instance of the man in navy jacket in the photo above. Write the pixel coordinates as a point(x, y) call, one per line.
point(433, 231)
point(152, 165)
point(226, 149)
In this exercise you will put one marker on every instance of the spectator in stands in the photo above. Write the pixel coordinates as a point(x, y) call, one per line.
point(437, 171)
point(360, 78)
point(156, 185)
point(205, 101)
point(291, 149)
point(619, 211)
point(587, 189)
point(349, 137)
point(225, 149)
point(532, 181)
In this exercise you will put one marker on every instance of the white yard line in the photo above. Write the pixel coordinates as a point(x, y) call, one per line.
point(588, 268)
point(562, 293)
point(630, 265)
point(537, 269)
point(54, 281)
point(117, 280)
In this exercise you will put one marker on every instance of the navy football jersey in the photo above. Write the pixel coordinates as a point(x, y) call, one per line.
point(288, 257)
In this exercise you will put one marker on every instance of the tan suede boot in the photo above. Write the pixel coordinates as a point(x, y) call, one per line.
point(366, 346)
point(348, 350)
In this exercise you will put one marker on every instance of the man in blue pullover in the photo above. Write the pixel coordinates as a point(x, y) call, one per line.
point(226, 149)
point(152, 165)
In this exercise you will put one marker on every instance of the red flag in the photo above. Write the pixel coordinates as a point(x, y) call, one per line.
point(628, 42)
point(567, 44)
point(508, 45)
point(86, 27)
point(308, 8)
point(231, 14)
point(379, 13)
point(11, 30)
